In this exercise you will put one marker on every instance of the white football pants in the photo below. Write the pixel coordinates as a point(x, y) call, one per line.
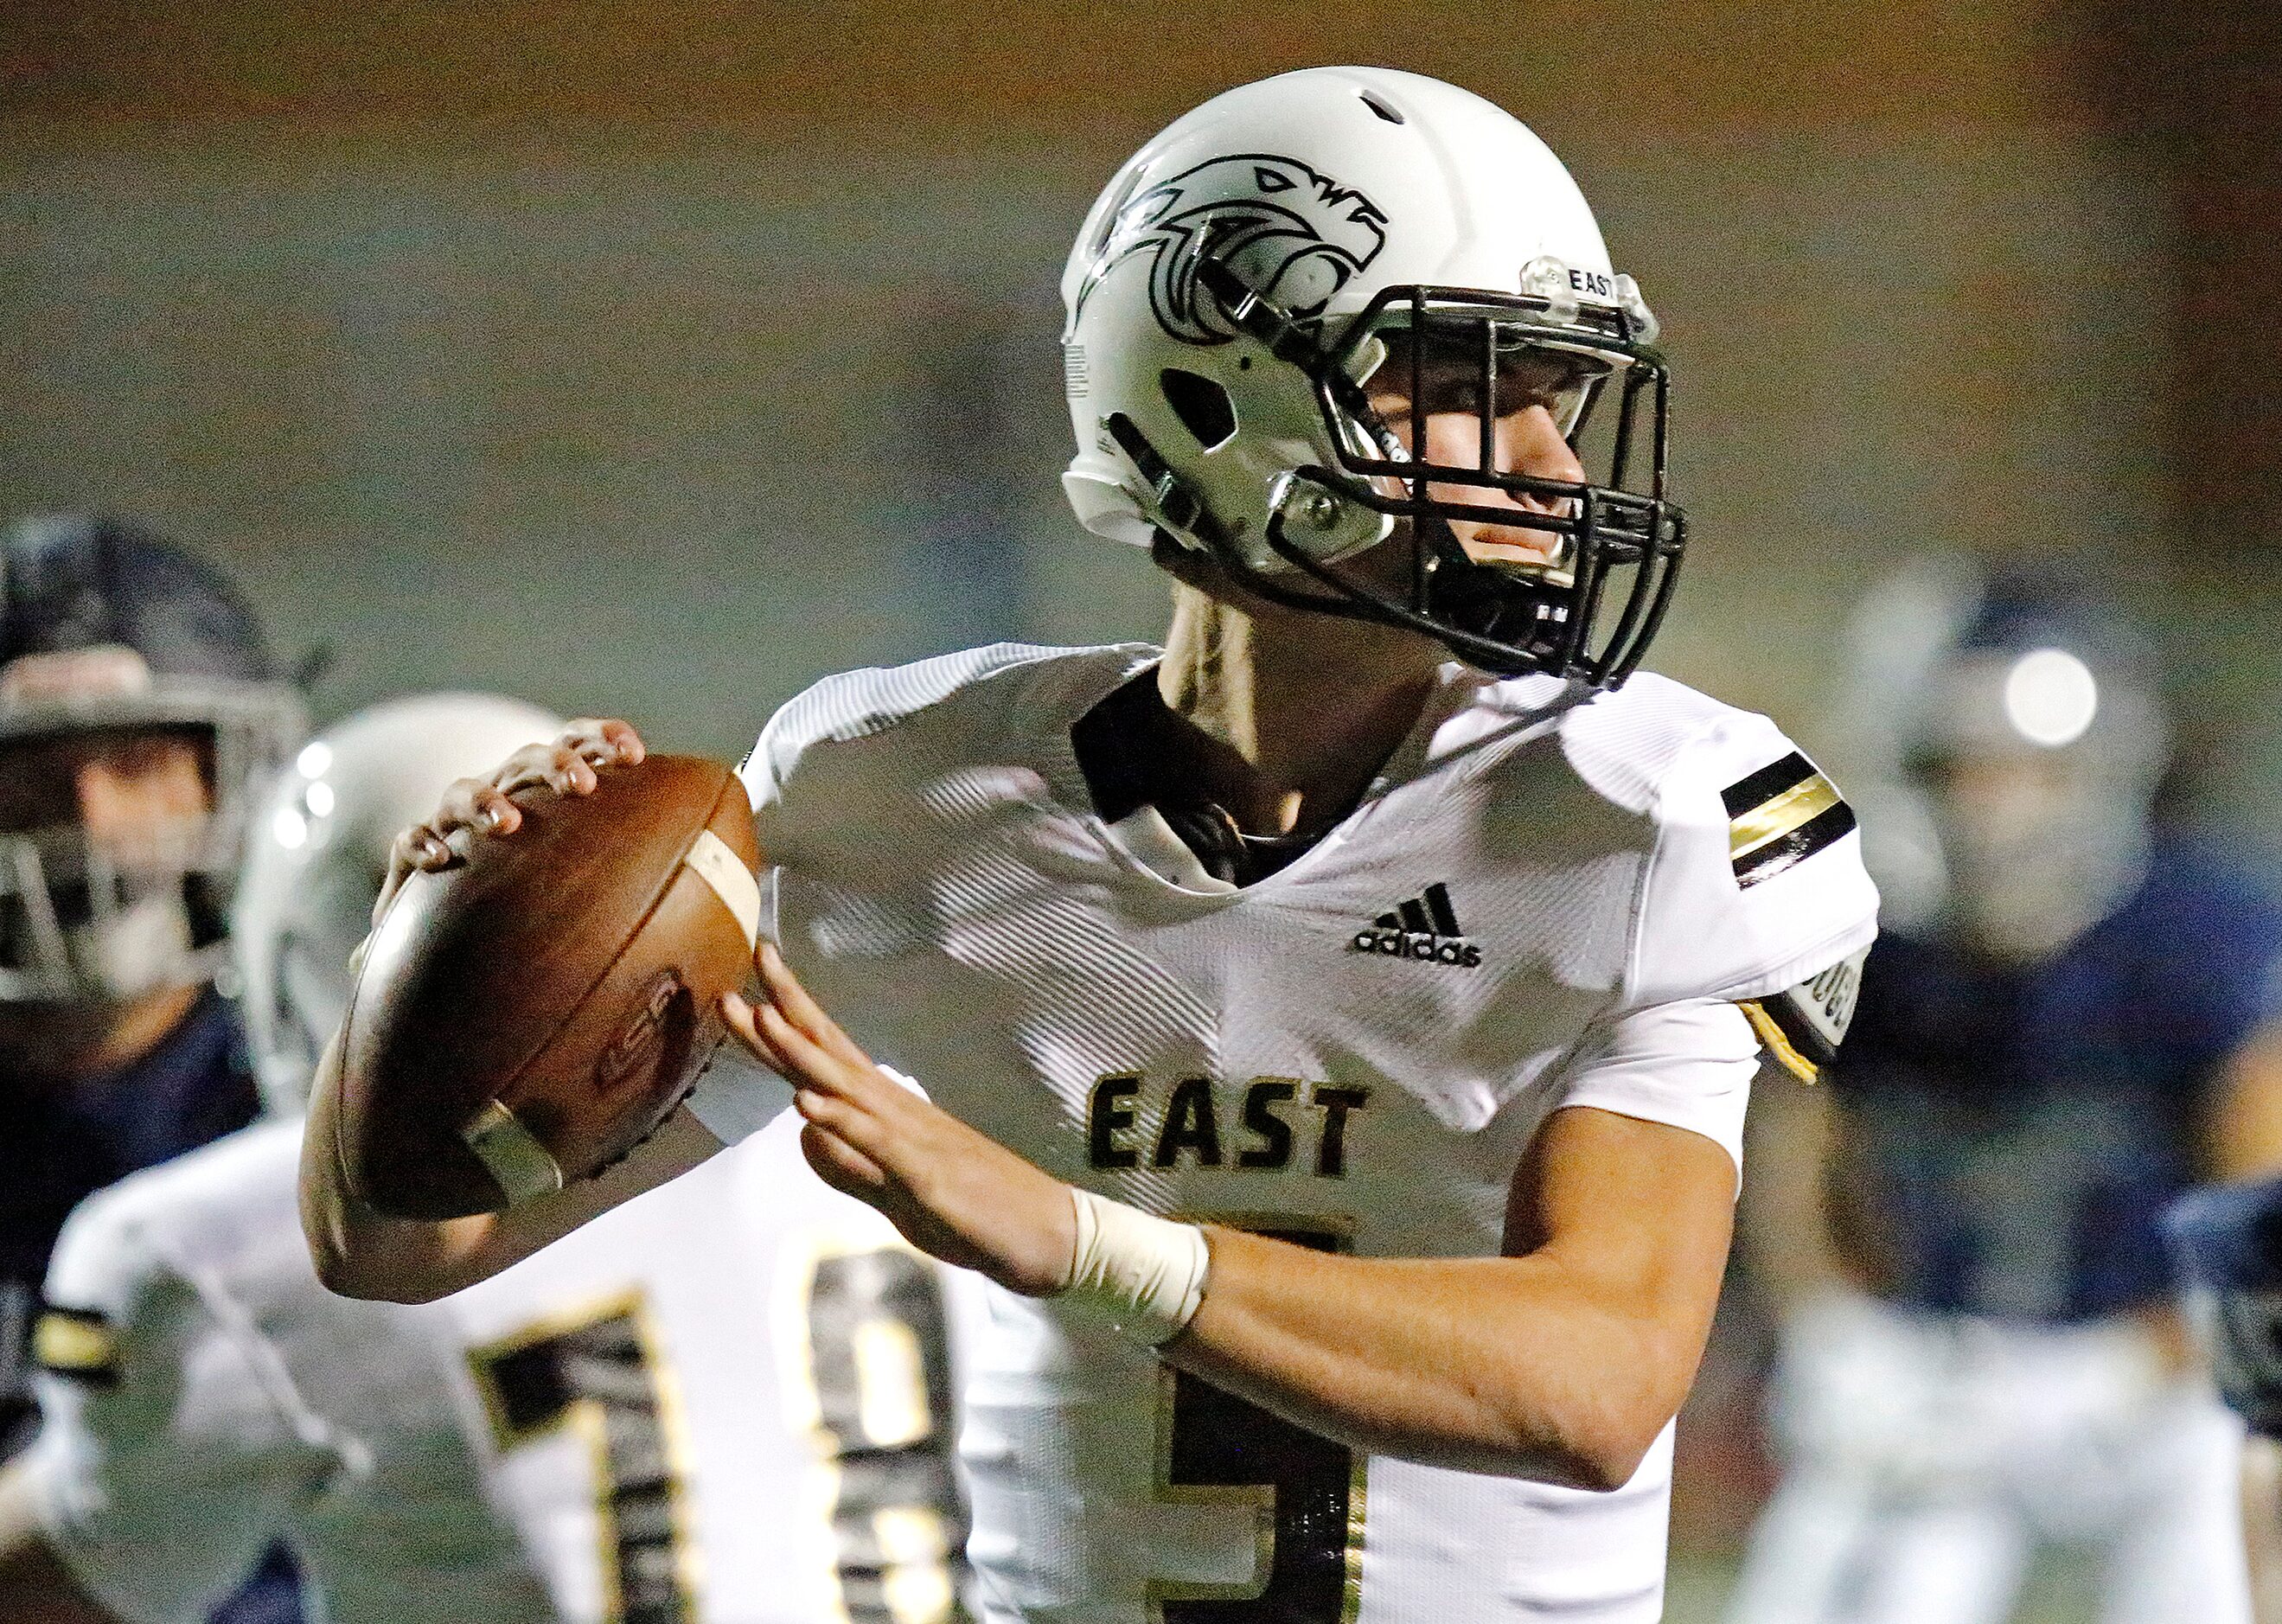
point(1926, 1458)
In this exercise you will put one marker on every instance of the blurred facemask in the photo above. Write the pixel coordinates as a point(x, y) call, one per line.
point(138, 720)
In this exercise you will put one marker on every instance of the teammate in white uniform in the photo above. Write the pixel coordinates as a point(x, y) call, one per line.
point(629, 1427)
point(1296, 927)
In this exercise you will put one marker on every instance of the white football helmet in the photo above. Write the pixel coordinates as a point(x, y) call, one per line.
point(318, 854)
point(1248, 274)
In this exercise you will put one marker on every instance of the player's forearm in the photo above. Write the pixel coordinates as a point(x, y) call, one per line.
point(1519, 1366)
point(36, 1586)
point(362, 1251)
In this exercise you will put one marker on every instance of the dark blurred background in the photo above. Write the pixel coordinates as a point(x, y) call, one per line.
point(654, 358)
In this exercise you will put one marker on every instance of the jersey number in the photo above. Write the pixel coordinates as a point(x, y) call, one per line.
point(1304, 1492)
point(878, 1354)
point(596, 1372)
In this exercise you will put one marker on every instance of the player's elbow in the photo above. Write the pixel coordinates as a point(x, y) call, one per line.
point(1594, 1435)
point(1601, 1460)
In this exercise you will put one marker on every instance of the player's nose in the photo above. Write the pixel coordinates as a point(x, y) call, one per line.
point(1530, 443)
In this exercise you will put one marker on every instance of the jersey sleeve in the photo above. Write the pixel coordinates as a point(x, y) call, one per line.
point(1688, 1064)
point(735, 1096)
point(164, 1466)
point(1756, 893)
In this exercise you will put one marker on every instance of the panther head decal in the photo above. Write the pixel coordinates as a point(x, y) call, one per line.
point(1294, 235)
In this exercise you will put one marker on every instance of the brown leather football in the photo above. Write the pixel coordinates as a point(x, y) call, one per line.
point(524, 1019)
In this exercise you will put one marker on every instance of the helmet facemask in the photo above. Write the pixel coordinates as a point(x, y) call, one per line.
point(1585, 611)
point(90, 918)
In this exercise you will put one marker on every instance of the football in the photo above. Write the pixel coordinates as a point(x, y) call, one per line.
point(528, 1016)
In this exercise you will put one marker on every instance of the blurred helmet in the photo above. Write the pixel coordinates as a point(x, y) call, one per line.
point(111, 638)
point(2023, 737)
point(1255, 274)
point(318, 854)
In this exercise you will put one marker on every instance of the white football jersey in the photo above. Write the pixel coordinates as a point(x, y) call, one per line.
point(1546, 899)
point(729, 1400)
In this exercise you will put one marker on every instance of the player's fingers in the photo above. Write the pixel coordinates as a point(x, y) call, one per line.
point(413, 851)
point(426, 849)
point(787, 994)
point(570, 772)
point(737, 1014)
point(525, 768)
point(811, 1061)
point(605, 740)
point(840, 1164)
point(849, 1119)
point(456, 809)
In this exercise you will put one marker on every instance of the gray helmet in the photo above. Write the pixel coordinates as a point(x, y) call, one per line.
point(318, 853)
point(2019, 736)
point(106, 628)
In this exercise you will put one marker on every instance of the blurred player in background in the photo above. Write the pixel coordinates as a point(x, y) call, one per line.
point(1377, 912)
point(2228, 1240)
point(747, 1431)
point(140, 719)
point(2068, 1020)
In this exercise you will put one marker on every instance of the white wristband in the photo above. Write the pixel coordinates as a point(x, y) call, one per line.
point(1146, 1274)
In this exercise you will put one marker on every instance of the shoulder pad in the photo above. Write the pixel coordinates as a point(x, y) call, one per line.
point(1756, 885)
point(856, 704)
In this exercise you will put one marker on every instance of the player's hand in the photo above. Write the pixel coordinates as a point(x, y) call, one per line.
point(953, 1193)
point(476, 806)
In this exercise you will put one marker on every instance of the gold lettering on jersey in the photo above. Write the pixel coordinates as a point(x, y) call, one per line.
point(1198, 1121)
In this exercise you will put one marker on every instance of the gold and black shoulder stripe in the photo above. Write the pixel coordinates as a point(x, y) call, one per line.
point(77, 1343)
point(1780, 815)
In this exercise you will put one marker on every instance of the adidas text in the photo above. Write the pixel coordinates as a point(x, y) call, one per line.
point(1419, 944)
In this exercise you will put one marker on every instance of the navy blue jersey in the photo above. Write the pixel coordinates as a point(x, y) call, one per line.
point(2016, 1131)
point(2227, 1241)
point(60, 1143)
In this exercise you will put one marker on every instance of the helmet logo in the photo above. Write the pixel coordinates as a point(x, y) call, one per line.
point(1293, 236)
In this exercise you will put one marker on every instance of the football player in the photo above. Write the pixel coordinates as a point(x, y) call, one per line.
point(2072, 1019)
point(1339, 1022)
point(2227, 1241)
point(140, 717)
point(752, 1433)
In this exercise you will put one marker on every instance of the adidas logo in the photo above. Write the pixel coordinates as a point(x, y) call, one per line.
point(1425, 928)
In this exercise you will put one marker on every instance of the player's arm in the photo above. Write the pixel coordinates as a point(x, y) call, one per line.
point(1562, 1361)
point(362, 1252)
point(36, 1586)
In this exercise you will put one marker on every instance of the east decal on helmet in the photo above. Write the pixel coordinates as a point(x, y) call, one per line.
point(1257, 273)
point(318, 853)
point(127, 634)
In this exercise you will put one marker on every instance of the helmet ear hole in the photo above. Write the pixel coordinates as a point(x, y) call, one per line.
point(1202, 406)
